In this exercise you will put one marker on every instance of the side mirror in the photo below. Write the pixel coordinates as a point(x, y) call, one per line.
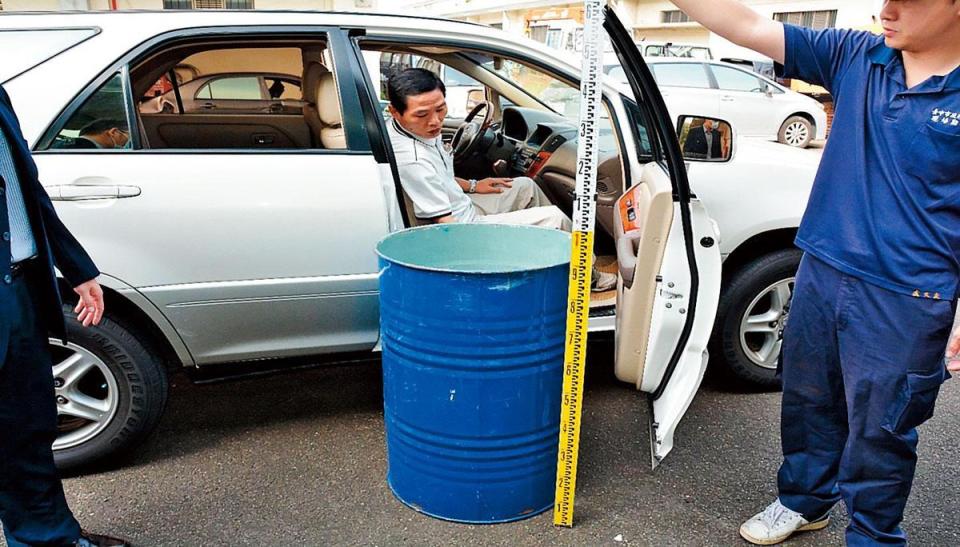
point(705, 139)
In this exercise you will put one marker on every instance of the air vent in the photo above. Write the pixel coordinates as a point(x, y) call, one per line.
point(602, 187)
point(554, 143)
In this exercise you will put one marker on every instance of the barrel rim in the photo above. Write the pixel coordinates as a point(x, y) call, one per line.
point(564, 262)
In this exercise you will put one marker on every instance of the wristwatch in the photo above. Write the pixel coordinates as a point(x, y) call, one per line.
point(473, 186)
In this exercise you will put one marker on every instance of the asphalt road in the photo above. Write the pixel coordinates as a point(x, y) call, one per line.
point(299, 459)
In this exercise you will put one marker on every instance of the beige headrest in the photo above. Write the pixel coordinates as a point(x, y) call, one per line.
point(328, 102)
point(311, 80)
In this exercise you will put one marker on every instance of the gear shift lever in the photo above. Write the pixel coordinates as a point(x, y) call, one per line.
point(500, 168)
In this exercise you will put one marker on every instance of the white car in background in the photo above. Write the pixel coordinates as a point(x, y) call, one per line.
point(756, 106)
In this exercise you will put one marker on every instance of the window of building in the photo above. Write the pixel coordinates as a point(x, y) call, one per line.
point(674, 16)
point(813, 19)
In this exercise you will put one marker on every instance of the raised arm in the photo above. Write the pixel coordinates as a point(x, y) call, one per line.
point(739, 24)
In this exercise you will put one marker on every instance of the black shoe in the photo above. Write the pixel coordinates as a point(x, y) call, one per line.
point(94, 540)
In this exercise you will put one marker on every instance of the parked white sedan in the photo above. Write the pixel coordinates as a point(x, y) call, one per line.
point(757, 106)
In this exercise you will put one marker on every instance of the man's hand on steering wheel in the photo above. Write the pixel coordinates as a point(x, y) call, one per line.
point(493, 185)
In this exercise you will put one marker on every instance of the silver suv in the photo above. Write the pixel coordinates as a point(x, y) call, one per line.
point(240, 234)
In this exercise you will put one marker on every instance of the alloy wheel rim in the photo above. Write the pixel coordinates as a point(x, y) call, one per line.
point(796, 134)
point(762, 326)
point(87, 394)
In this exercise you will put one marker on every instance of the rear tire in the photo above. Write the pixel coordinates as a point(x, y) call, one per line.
point(753, 310)
point(797, 131)
point(111, 391)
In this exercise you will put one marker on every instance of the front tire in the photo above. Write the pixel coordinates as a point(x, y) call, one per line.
point(797, 131)
point(110, 389)
point(752, 314)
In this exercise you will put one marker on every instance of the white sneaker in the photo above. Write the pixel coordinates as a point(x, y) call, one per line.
point(603, 281)
point(776, 523)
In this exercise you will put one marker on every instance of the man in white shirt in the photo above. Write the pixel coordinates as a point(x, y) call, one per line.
point(418, 107)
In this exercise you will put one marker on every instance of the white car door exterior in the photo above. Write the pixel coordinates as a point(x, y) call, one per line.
point(245, 252)
point(669, 259)
point(745, 103)
point(686, 88)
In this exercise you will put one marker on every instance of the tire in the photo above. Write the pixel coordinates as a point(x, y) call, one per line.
point(797, 131)
point(105, 374)
point(757, 290)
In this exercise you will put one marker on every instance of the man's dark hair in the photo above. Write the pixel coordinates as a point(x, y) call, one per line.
point(410, 82)
point(99, 126)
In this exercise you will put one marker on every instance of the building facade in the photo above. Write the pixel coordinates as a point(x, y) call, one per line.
point(56, 5)
point(556, 22)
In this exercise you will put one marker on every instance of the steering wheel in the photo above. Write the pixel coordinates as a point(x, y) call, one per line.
point(469, 134)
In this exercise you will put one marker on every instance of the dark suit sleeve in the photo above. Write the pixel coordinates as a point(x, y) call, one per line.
point(68, 255)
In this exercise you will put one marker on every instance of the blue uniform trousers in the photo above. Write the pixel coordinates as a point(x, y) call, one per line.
point(33, 509)
point(861, 369)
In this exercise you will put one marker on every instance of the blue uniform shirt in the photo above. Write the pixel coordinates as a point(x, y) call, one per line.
point(20, 236)
point(885, 206)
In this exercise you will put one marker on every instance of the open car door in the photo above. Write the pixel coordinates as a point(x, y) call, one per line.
point(669, 260)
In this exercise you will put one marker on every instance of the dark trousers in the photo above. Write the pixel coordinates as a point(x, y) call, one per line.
point(33, 509)
point(862, 367)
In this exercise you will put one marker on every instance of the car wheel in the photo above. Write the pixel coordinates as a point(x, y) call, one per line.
point(796, 131)
point(752, 314)
point(111, 391)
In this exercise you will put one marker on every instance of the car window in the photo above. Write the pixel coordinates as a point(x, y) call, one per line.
point(675, 50)
point(681, 75)
point(279, 88)
point(556, 94)
point(617, 74)
point(34, 47)
point(247, 97)
point(463, 92)
point(731, 79)
point(236, 88)
point(99, 123)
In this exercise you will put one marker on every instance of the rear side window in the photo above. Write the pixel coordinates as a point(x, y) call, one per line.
point(34, 47)
point(99, 123)
point(237, 89)
point(732, 79)
point(681, 75)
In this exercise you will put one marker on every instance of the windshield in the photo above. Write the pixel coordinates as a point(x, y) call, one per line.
point(553, 93)
point(673, 50)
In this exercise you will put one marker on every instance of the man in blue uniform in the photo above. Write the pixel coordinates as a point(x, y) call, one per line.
point(874, 302)
point(33, 510)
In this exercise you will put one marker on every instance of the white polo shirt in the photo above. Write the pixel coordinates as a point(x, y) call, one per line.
point(426, 173)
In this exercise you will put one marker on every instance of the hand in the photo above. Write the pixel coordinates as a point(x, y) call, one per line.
point(89, 309)
point(493, 185)
point(953, 348)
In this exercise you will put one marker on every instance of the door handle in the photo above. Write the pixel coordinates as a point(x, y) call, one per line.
point(87, 192)
point(726, 99)
point(208, 106)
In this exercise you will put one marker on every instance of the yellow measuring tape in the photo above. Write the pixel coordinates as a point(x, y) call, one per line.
point(581, 269)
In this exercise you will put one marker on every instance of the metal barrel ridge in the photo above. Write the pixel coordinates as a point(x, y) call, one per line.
point(472, 320)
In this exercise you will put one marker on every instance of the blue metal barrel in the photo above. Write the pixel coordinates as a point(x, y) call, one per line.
point(472, 320)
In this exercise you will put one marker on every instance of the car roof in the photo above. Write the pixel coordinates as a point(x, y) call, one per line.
point(216, 17)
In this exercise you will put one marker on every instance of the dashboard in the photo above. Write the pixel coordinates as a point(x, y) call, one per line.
point(535, 135)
